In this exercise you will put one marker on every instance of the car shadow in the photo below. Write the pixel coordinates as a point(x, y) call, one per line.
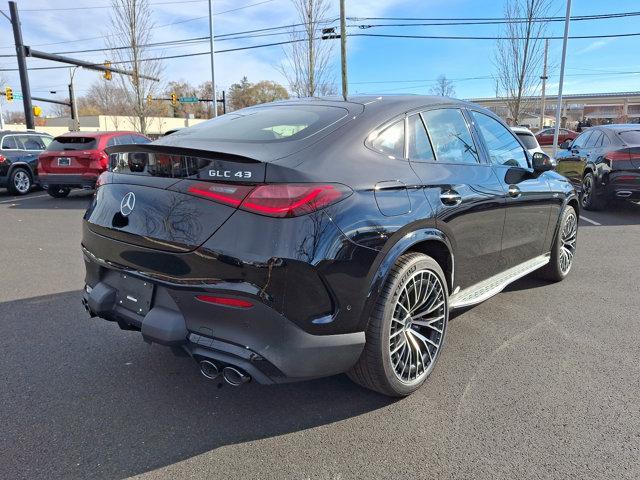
point(617, 213)
point(82, 398)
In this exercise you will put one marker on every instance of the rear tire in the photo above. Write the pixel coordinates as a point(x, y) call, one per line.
point(57, 191)
point(407, 328)
point(19, 181)
point(589, 196)
point(564, 247)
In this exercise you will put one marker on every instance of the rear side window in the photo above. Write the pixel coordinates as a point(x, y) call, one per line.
point(139, 139)
point(631, 137)
point(604, 141)
point(528, 140)
point(501, 144)
point(594, 139)
point(277, 123)
point(390, 141)
point(582, 139)
point(9, 143)
point(450, 136)
point(419, 145)
point(72, 143)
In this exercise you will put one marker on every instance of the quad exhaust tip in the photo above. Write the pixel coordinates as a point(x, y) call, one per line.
point(231, 375)
point(234, 377)
point(209, 369)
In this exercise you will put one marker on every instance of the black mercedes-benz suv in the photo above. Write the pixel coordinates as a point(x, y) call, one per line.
point(311, 237)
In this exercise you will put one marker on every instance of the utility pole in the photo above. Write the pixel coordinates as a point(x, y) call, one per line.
point(1, 118)
point(213, 77)
point(343, 49)
point(564, 57)
point(22, 65)
point(544, 85)
point(75, 127)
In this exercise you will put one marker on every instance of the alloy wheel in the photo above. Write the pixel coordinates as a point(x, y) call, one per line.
point(587, 190)
point(568, 240)
point(417, 326)
point(21, 181)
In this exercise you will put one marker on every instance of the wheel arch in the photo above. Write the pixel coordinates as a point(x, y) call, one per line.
point(429, 241)
point(24, 165)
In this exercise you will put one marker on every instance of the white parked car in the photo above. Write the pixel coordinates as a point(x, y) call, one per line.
point(528, 139)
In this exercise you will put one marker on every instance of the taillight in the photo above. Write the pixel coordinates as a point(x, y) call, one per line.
point(2, 159)
point(617, 155)
point(100, 157)
point(221, 192)
point(274, 200)
point(226, 301)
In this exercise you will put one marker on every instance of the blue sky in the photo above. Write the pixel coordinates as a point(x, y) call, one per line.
point(375, 64)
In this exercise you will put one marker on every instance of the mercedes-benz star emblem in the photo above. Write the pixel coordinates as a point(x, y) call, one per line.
point(127, 204)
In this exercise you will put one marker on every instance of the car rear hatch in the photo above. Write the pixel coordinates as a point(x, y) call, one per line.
point(147, 198)
point(72, 155)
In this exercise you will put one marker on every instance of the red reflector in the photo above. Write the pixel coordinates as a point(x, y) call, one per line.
point(291, 200)
point(623, 178)
point(221, 192)
point(228, 302)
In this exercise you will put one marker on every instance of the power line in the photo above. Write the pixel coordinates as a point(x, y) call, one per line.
point(464, 37)
point(62, 9)
point(479, 19)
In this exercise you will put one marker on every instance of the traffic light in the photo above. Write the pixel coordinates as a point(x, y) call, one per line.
point(107, 73)
point(174, 99)
point(149, 99)
point(8, 91)
point(37, 111)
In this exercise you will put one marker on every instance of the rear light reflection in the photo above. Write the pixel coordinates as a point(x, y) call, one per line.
point(274, 200)
point(227, 302)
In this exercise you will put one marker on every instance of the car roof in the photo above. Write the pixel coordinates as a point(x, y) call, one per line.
point(621, 126)
point(522, 130)
point(23, 132)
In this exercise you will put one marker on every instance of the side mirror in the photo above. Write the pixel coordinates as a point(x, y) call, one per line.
point(542, 162)
point(566, 145)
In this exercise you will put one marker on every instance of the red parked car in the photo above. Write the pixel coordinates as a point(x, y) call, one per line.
point(545, 136)
point(76, 159)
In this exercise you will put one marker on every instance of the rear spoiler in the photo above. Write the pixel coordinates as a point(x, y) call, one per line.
point(183, 151)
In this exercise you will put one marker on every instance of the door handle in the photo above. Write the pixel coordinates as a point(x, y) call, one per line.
point(514, 191)
point(450, 197)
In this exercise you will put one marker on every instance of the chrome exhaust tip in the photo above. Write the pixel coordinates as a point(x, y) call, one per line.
point(623, 194)
point(209, 369)
point(234, 377)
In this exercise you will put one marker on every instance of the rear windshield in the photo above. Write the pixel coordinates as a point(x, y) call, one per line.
point(528, 139)
point(276, 123)
point(184, 166)
point(631, 137)
point(72, 143)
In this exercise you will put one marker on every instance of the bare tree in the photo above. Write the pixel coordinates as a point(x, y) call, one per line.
point(308, 58)
point(519, 56)
point(443, 87)
point(131, 26)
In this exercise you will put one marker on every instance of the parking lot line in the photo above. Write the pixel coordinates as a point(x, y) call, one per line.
point(20, 199)
point(593, 222)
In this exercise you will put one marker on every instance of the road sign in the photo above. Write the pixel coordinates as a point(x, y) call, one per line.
point(188, 99)
point(17, 96)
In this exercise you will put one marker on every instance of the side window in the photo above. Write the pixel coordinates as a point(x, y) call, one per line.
point(33, 142)
point(502, 145)
point(419, 145)
point(594, 139)
point(391, 140)
point(46, 141)
point(604, 141)
point(450, 136)
point(582, 139)
point(9, 143)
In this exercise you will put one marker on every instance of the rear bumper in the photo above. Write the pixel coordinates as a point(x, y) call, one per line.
point(623, 185)
point(259, 340)
point(68, 180)
point(4, 181)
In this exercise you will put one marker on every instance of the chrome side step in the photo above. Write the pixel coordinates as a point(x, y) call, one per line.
point(488, 288)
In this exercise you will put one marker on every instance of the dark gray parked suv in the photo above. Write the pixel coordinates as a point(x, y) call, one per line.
point(19, 159)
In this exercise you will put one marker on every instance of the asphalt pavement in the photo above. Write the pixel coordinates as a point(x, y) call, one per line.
point(541, 381)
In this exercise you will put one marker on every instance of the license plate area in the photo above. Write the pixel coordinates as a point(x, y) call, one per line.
point(64, 161)
point(132, 293)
